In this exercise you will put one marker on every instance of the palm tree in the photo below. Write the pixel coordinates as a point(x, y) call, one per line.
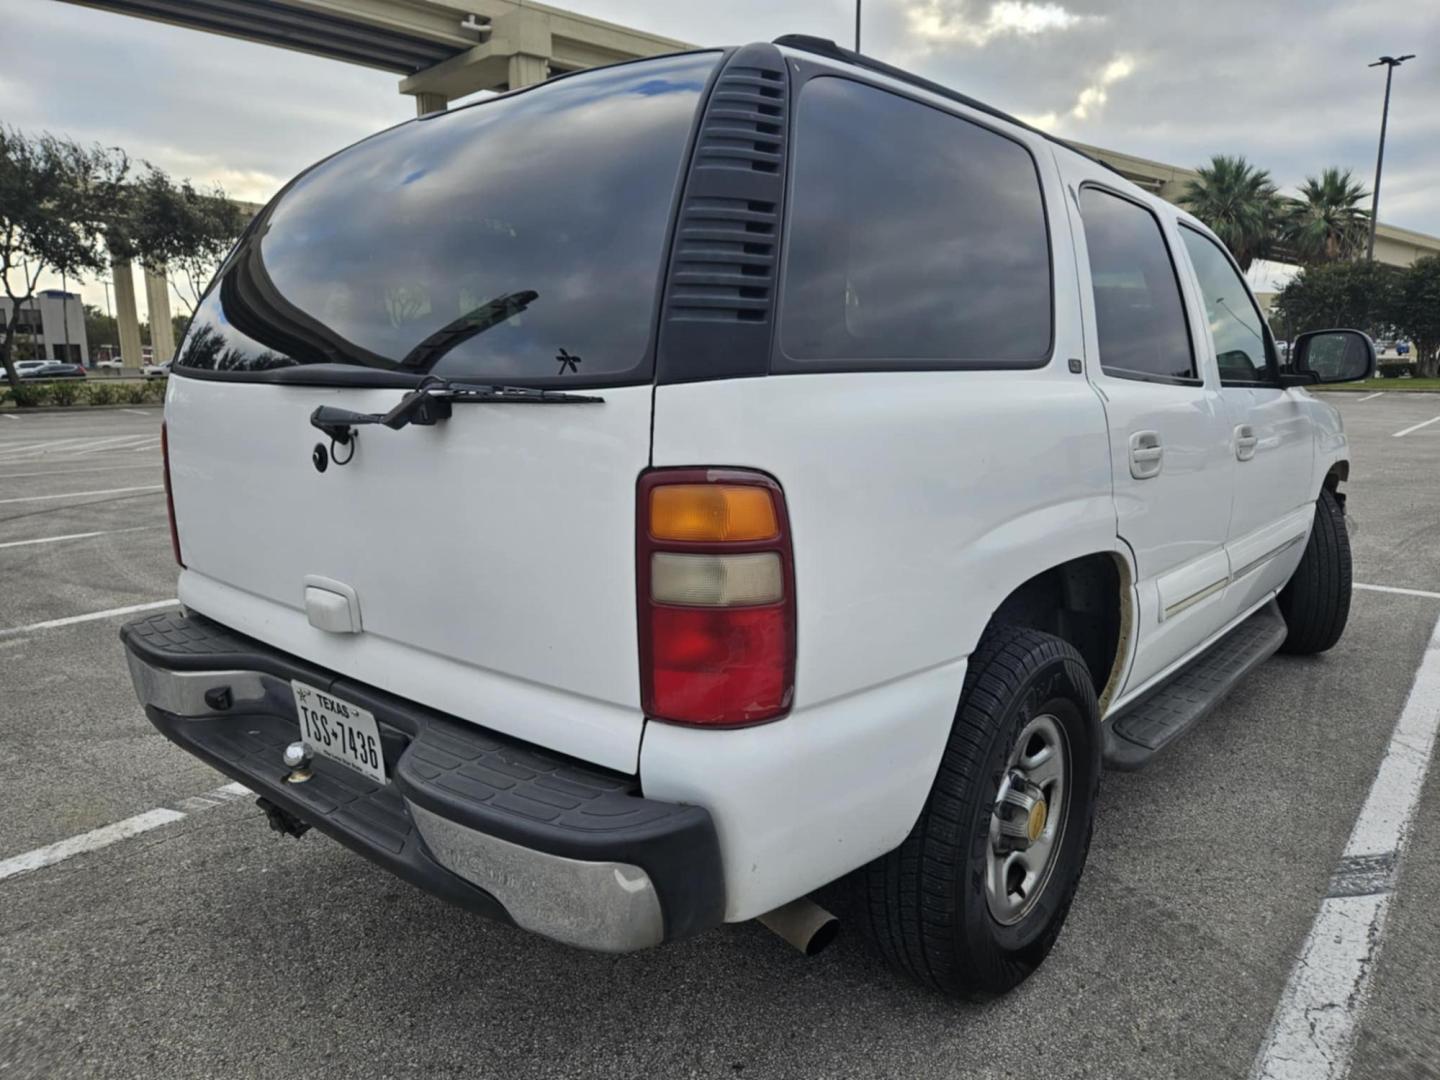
point(1328, 222)
point(1239, 203)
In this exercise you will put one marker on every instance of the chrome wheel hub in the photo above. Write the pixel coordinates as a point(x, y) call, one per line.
point(1028, 820)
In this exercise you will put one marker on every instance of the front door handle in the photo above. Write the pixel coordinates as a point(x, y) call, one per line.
point(1147, 456)
point(1245, 442)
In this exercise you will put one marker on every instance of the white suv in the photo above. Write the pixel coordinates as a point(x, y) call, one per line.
point(692, 482)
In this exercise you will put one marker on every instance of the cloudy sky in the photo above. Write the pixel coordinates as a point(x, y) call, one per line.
point(1284, 82)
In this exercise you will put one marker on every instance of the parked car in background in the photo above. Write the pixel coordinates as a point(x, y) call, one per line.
point(55, 370)
point(656, 586)
point(110, 365)
point(156, 371)
point(23, 366)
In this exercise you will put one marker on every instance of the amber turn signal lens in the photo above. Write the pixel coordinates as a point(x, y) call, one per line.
point(712, 513)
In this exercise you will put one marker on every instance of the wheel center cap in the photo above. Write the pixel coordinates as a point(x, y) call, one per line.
point(1021, 814)
point(1035, 823)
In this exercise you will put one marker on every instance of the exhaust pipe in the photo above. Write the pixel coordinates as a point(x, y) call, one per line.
point(803, 923)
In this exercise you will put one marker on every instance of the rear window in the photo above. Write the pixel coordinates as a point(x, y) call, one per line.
point(916, 238)
point(519, 240)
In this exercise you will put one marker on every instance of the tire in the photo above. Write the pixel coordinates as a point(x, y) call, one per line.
point(927, 905)
point(1316, 601)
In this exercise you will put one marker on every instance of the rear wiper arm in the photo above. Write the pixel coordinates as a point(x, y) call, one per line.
point(430, 402)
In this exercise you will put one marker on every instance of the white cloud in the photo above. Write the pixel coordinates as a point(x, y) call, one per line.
point(948, 21)
point(1091, 98)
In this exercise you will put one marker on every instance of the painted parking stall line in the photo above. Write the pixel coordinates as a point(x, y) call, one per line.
point(132, 467)
point(1313, 1032)
point(1416, 427)
point(106, 835)
point(1396, 590)
point(1370, 397)
point(76, 536)
point(92, 616)
point(82, 494)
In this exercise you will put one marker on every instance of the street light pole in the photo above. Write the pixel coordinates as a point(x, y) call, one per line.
point(1390, 63)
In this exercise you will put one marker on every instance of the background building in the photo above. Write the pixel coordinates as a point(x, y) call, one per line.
point(52, 327)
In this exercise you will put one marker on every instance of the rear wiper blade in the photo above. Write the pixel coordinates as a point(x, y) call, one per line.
point(429, 352)
point(521, 395)
point(430, 402)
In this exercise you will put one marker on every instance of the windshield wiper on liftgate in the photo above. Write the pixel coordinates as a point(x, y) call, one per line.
point(430, 402)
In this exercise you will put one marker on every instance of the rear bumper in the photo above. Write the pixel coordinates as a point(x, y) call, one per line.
point(513, 831)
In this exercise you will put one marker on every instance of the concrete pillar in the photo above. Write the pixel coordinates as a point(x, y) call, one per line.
point(127, 322)
point(430, 103)
point(528, 70)
point(157, 298)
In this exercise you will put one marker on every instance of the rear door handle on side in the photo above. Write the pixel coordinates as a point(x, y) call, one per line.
point(1147, 456)
point(1245, 442)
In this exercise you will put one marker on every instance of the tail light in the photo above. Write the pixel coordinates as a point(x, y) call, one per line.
point(716, 584)
point(169, 495)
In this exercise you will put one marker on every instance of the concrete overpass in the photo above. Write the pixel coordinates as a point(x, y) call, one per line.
point(1393, 245)
point(446, 49)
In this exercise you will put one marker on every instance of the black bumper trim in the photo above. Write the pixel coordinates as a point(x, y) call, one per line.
point(486, 782)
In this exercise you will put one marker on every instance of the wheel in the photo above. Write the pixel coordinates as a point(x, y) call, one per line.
point(973, 900)
point(1316, 601)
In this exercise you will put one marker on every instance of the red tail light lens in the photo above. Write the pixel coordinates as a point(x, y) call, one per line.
point(716, 582)
point(169, 496)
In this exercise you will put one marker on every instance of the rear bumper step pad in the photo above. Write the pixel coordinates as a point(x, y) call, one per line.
point(1146, 727)
point(516, 832)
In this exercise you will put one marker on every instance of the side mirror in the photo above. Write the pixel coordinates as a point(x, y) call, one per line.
point(1333, 356)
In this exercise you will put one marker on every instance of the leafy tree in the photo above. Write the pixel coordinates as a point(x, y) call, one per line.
point(100, 329)
point(1240, 204)
point(1417, 312)
point(1355, 295)
point(169, 225)
point(55, 200)
point(1328, 222)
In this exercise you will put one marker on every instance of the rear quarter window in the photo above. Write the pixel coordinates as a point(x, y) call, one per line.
point(917, 239)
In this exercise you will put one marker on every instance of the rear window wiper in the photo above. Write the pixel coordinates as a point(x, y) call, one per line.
point(430, 402)
point(432, 350)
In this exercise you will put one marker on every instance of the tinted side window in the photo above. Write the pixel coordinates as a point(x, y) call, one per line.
point(1241, 347)
point(1139, 315)
point(915, 236)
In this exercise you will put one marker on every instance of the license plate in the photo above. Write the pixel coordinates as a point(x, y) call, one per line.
point(339, 731)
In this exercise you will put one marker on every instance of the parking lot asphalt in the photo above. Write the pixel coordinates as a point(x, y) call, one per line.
point(211, 947)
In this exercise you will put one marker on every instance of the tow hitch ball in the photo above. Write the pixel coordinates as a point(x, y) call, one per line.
point(282, 821)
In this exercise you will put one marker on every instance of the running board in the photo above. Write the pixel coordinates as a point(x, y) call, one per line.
point(1145, 728)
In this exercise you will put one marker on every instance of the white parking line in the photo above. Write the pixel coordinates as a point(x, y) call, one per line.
point(71, 620)
point(1368, 397)
point(9, 416)
point(1398, 591)
point(120, 830)
point(76, 536)
point(93, 468)
point(1416, 427)
point(142, 412)
point(80, 494)
point(1314, 1028)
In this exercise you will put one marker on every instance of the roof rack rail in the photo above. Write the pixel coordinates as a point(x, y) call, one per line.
point(825, 47)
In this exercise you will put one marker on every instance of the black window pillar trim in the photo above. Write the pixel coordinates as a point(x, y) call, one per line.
point(718, 312)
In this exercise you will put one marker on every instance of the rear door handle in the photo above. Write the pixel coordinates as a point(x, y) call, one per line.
point(1245, 442)
point(1147, 456)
